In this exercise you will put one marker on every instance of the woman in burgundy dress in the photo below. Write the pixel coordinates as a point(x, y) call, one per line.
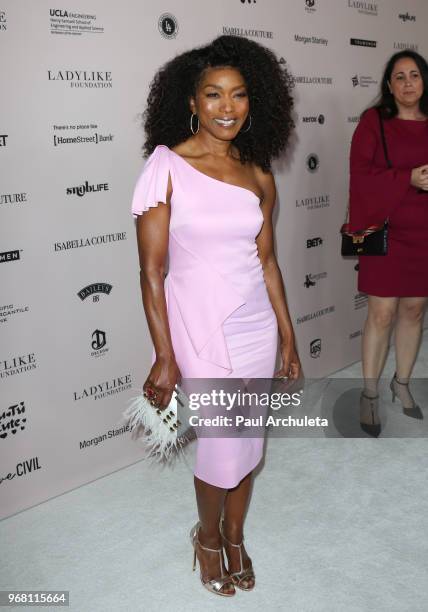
point(397, 283)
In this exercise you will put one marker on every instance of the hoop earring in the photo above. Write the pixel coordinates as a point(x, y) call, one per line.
point(191, 123)
point(249, 126)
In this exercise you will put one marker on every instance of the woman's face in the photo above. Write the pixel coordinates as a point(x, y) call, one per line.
point(221, 102)
point(406, 84)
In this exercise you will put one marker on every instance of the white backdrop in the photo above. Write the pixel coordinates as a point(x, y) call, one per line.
point(74, 80)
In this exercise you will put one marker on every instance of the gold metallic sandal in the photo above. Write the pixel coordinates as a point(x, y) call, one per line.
point(244, 574)
point(216, 584)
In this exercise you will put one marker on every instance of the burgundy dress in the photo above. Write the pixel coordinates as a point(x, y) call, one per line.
point(377, 193)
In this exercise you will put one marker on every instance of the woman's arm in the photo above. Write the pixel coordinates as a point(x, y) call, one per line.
point(152, 238)
point(273, 279)
point(376, 191)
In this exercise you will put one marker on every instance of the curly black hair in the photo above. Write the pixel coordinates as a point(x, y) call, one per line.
point(269, 84)
point(385, 101)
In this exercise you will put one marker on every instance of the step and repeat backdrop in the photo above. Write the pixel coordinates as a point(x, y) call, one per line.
point(74, 344)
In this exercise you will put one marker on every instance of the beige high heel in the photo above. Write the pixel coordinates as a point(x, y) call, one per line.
point(243, 574)
point(215, 584)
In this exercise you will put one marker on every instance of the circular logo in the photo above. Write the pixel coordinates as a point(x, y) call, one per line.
point(312, 162)
point(310, 3)
point(321, 119)
point(168, 25)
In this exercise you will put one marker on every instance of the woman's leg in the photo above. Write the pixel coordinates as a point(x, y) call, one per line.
point(377, 330)
point(210, 501)
point(233, 526)
point(408, 333)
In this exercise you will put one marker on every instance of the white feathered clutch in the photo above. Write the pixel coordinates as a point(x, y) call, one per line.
point(163, 432)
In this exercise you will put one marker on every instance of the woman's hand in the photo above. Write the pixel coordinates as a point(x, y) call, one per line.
point(419, 178)
point(291, 366)
point(161, 381)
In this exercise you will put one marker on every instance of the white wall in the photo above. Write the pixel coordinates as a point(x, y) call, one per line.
point(47, 371)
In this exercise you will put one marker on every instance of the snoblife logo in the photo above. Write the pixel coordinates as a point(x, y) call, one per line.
point(85, 188)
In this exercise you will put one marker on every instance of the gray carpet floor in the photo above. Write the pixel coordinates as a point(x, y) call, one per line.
point(334, 525)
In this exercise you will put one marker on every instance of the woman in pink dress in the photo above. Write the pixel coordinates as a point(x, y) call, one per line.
point(216, 117)
point(396, 283)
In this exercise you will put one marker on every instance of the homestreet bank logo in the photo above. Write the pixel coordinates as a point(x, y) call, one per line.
point(97, 79)
point(85, 188)
point(248, 33)
point(104, 389)
point(366, 8)
point(319, 201)
point(11, 420)
point(311, 40)
point(91, 241)
point(94, 290)
point(72, 134)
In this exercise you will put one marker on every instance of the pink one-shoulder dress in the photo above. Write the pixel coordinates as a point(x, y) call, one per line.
point(221, 319)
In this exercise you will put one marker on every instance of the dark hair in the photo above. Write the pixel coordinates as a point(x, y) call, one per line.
point(166, 118)
point(385, 101)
